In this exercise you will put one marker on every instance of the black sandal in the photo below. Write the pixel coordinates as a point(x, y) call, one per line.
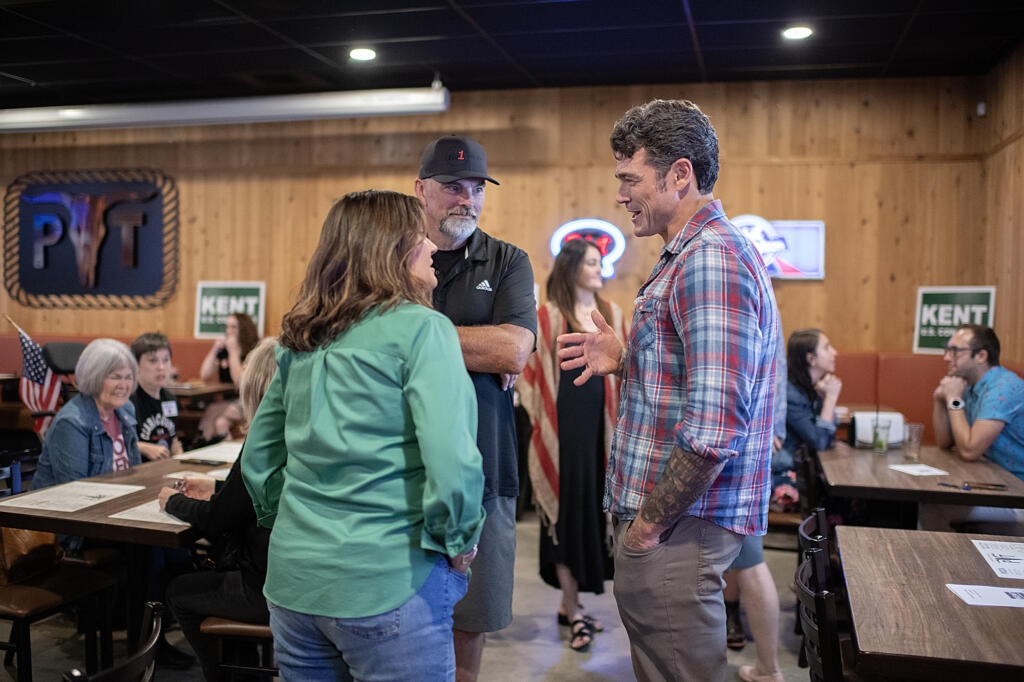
point(594, 624)
point(582, 635)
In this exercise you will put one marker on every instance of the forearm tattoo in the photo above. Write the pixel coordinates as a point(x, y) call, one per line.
point(685, 478)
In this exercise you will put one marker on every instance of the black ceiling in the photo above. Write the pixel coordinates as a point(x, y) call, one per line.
point(62, 52)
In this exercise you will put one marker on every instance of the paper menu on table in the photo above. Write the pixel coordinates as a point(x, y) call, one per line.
point(918, 469)
point(150, 511)
point(1005, 558)
point(983, 595)
point(225, 452)
point(71, 497)
point(215, 474)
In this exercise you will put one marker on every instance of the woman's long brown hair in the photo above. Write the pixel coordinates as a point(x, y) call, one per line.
point(361, 262)
point(561, 284)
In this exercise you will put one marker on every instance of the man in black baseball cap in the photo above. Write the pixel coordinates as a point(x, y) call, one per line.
point(454, 157)
point(485, 287)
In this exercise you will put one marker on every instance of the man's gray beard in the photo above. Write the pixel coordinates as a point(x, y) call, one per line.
point(457, 228)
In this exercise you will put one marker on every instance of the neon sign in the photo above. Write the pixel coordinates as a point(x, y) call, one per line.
point(606, 237)
point(791, 249)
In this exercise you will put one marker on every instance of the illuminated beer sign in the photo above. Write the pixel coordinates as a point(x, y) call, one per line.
point(606, 237)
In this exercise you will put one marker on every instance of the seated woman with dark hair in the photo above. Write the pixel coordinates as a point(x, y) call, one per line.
point(812, 392)
point(234, 589)
point(225, 363)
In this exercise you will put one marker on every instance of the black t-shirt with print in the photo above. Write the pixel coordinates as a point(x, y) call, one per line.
point(154, 423)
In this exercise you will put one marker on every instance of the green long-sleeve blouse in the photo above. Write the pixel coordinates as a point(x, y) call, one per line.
point(363, 458)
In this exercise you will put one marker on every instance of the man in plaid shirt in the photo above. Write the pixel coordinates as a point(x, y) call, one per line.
point(689, 471)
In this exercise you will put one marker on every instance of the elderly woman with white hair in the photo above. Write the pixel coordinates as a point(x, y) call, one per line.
point(94, 433)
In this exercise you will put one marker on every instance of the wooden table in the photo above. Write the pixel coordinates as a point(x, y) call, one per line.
point(909, 625)
point(853, 472)
point(15, 415)
point(200, 392)
point(95, 522)
point(193, 399)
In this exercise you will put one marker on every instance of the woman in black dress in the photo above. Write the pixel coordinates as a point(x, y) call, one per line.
point(572, 429)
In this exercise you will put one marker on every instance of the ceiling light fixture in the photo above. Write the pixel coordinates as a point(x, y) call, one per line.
point(430, 100)
point(797, 32)
point(362, 54)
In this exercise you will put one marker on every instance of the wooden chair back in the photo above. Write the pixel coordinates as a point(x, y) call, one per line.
point(817, 613)
point(813, 534)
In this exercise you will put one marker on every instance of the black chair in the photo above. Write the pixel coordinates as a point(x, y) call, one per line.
point(139, 666)
point(817, 614)
point(218, 630)
point(19, 451)
point(55, 589)
point(61, 357)
point(813, 532)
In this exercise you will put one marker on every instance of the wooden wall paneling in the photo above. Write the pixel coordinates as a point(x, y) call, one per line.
point(1004, 186)
point(865, 156)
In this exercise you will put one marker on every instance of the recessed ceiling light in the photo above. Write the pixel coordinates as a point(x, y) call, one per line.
point(797, 32)
point(362, 54)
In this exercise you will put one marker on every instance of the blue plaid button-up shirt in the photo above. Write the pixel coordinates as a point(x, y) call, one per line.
point(699, 373)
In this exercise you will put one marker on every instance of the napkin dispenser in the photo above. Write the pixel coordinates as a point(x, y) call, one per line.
point(863, 426)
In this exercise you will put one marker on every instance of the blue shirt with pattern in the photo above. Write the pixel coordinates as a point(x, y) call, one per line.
point(1000, 395)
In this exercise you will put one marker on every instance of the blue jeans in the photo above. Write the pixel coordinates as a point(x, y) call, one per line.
point(412, 642)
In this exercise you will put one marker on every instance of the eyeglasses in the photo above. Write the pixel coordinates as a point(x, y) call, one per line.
point(955, 350)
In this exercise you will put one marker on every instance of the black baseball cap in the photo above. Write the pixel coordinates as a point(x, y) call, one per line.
point(454, 157)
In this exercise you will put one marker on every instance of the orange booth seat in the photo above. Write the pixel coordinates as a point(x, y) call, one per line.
point(186, 353)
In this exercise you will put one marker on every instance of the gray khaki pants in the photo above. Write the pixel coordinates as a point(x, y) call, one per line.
point(670, 601)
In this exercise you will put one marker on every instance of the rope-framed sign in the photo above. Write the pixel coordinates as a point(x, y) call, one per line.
point(101, 239)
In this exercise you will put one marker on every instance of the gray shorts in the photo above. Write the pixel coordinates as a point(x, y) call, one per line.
point(751, 554)
point(487, 606)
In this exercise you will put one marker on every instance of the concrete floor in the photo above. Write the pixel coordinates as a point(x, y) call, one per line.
point(534, 647)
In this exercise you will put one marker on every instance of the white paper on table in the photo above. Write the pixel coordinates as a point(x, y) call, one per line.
point(150, 511)
point(183, 474)
point(918, 469)
point(1005, 558)
point(224, 451)
point(72, 496)
point(983, 595)
point(219, 474)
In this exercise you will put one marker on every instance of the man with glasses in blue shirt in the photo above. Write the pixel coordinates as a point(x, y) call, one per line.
point(979, 408)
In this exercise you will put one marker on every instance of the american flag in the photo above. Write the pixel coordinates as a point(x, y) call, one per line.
point(39, 387)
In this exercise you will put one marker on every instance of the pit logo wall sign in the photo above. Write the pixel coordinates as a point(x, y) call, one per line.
point(216, 300)
point(791, 249)
point(103, 238)
point(605, 236)
point(940, 310)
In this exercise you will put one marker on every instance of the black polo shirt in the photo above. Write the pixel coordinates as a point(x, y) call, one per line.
point(489, 282)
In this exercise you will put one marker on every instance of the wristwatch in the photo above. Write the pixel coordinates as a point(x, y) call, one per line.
point(955, 404)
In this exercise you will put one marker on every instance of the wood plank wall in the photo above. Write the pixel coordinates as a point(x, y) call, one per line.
point(915, 189)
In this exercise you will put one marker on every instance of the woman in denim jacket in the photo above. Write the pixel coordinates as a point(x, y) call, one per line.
point(94, 433)
point(812, 392)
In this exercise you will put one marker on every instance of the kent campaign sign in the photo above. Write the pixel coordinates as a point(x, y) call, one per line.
point(940, 310)
point(216, 300)
point(104, 238)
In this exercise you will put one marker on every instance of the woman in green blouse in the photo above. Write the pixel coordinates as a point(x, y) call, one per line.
point(362, 457)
